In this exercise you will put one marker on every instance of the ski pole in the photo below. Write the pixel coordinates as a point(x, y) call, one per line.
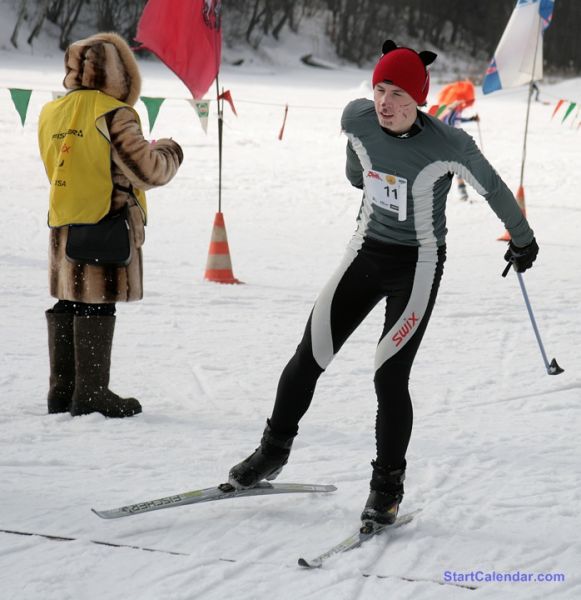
point(552, 368)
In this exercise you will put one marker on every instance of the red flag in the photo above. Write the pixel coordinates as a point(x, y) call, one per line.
point(228, 97)
point(187, 36)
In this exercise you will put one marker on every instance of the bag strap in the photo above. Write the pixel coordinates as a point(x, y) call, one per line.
point(132, 199)
point(129, 191)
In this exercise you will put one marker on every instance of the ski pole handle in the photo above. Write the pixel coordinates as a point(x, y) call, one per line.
point(506, 269)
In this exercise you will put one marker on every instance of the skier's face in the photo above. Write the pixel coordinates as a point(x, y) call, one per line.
point(395, 108)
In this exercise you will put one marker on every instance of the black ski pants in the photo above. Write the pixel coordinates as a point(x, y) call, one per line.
point(408, 278)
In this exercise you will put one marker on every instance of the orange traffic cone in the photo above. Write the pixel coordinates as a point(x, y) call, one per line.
point(219, 265)
point(520, 200)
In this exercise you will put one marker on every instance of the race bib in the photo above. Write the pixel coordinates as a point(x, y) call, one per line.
point(387, 191)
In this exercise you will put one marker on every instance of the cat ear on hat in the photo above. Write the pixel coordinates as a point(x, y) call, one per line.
point(388, 46)
point(427, 57)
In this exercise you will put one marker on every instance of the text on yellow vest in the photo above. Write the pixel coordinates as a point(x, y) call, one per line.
point(76, 150)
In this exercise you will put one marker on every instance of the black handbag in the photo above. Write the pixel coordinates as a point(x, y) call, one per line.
point(105, 243)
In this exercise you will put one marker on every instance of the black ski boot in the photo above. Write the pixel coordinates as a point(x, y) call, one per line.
point(385, 496)
point(266, 462)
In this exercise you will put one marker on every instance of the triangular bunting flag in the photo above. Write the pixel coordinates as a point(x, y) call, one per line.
point(152, 105)
point(21, 98)
point(440, 110)
point(569, 111)
point(203, 111)
point(228, 97)
point(559, 104)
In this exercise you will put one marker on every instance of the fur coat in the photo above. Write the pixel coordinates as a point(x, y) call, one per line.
point(105, 62)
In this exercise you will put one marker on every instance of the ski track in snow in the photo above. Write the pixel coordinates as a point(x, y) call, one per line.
point(494, 457)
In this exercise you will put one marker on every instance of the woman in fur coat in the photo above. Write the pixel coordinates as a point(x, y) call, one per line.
point(98, 163)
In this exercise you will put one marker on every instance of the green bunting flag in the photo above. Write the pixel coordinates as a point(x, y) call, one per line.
point(152, 105)
point(21, 98)
point(569, 111)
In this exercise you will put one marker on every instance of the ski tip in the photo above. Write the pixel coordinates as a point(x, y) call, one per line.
point(309, 565)
point(330, 488)
point(103, 514)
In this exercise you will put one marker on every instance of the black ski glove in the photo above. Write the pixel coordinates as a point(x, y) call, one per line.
point(521, 258)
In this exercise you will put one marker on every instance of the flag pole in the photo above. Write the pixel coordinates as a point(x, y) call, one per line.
point(520, 196)
point(219, 265)
point(220, 105)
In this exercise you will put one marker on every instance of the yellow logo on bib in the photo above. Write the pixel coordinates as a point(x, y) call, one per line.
point(391, 180)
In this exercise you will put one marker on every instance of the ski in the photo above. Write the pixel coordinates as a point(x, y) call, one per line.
point(364, 533)
point(221, 492)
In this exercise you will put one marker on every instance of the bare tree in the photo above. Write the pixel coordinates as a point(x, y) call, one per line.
point(65, 14)
point(252, 20)
point(40, 16)
point(22, 16)
point(35, 12)
point(121, 16)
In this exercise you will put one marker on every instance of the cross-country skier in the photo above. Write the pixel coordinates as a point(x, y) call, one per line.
point(404, 161)
point(456, 97)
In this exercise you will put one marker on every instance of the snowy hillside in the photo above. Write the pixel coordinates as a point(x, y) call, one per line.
point(287, 51)
point(494, 458)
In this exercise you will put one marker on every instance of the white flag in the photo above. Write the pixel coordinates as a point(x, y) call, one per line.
point(203, 111)
point(518, 59)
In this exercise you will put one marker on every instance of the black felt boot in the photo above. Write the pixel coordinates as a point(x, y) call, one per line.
point(61, 353)
point(385, 496)
point(93, 344)
point(266, 462)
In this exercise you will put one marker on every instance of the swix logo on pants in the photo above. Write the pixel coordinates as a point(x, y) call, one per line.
point(404, 331)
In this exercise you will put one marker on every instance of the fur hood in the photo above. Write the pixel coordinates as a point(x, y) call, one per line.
point(103, 62)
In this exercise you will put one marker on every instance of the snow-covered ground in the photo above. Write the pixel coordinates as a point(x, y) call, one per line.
point(494, 457)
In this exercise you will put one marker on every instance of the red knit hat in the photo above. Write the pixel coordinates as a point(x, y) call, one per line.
point(405, 68)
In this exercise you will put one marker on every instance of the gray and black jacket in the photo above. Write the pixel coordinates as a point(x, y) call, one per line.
point(427, 161)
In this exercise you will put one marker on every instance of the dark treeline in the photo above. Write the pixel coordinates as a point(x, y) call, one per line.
point(355, 27)
point(95, 15)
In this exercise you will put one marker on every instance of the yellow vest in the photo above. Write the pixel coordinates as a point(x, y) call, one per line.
point(76, 150)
